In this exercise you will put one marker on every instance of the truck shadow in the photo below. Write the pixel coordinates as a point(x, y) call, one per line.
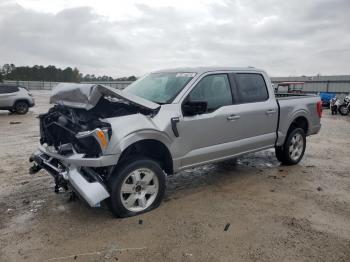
point(222, 172)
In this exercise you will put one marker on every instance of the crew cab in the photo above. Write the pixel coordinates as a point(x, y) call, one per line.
point(119, 146)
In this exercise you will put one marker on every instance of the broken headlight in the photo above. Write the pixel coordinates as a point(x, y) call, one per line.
point(93, 142)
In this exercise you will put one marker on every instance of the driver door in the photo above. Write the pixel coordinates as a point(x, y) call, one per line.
point(204, 136)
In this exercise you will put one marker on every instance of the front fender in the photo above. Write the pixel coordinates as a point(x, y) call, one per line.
point(127, 130)
point(143, 135)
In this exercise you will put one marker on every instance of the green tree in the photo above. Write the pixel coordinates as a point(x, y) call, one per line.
point(76, 75)
point(50, 73)
point(132, 78)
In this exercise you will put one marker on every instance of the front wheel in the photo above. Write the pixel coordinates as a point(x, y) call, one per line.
point(293, 148)
point(344, 110)
point(21, 107)
point(136, 187)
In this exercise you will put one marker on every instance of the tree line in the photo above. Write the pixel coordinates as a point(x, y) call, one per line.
point(51, 74)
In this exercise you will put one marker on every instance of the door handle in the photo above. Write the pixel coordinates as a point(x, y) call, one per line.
point(270, 111)
point(233, 117)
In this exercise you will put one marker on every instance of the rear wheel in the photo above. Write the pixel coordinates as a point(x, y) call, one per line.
point(21, 107)
point(343, 110)
point(293, 148)
point(136, 187)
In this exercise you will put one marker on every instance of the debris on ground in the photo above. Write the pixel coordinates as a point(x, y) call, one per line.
point(15, 122)
point(140, 221)
point(227, 226)
point(319, 188)
point(9, 210)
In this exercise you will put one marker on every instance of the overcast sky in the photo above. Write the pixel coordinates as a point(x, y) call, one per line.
point(120, 38)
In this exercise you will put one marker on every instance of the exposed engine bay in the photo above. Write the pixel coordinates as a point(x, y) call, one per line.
point(62, 125)
point(77, 118)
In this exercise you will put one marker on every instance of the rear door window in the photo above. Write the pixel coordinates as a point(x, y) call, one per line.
point(8, 89)
point(251, 88)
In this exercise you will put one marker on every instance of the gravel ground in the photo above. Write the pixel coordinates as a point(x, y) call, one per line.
point(255, 210)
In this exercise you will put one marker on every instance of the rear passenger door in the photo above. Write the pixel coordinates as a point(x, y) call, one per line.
point(7, 94)
point(256, 111)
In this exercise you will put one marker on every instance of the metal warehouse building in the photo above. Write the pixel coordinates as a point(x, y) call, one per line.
point(335, 84)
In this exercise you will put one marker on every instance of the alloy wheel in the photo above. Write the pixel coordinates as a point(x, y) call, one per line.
point(139, 189)
point(296, 146)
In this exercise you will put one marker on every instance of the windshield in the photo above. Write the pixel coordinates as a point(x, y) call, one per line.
point(161, 88)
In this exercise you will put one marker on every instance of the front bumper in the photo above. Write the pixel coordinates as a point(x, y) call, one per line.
point(76, 170)
point(80, 160)
point(31, 102)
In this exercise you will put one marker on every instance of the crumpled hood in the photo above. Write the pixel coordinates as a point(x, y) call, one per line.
point(86, 96)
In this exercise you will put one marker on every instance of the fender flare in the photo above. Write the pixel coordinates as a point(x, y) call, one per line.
point(148, 134)
point(19, 100)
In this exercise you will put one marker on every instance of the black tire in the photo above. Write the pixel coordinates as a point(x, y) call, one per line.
point(283, 152)
point(121, 174)
point(279, 154)
point(21, 107)
point(343, 110)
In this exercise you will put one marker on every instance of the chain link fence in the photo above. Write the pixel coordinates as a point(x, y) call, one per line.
point(336, 84)
point(43, 85)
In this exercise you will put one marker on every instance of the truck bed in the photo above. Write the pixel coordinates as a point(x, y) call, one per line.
point(291, 106)
point(280, 96)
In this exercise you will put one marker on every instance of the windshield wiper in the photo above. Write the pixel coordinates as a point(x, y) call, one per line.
point(159, 103)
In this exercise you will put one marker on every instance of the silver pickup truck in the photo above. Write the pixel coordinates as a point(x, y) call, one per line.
point(119, 146)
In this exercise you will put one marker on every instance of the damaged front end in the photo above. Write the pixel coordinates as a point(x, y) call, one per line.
point(74, 137)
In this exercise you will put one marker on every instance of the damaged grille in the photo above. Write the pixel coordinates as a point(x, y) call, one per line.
point(61, 124)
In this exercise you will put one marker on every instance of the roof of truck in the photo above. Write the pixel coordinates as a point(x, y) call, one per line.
point(206, 69)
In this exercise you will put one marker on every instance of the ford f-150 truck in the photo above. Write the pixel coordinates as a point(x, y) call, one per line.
point(119, 146)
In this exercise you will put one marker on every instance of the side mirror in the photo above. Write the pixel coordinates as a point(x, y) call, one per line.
point(191, 108)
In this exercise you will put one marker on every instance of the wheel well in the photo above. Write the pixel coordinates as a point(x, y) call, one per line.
point(299, 122)
point(153, 149)
point(20, 100)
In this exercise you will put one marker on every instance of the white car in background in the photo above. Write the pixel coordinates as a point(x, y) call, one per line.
point(15, 99)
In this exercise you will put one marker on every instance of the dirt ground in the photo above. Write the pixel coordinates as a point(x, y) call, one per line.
point(270, 212)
